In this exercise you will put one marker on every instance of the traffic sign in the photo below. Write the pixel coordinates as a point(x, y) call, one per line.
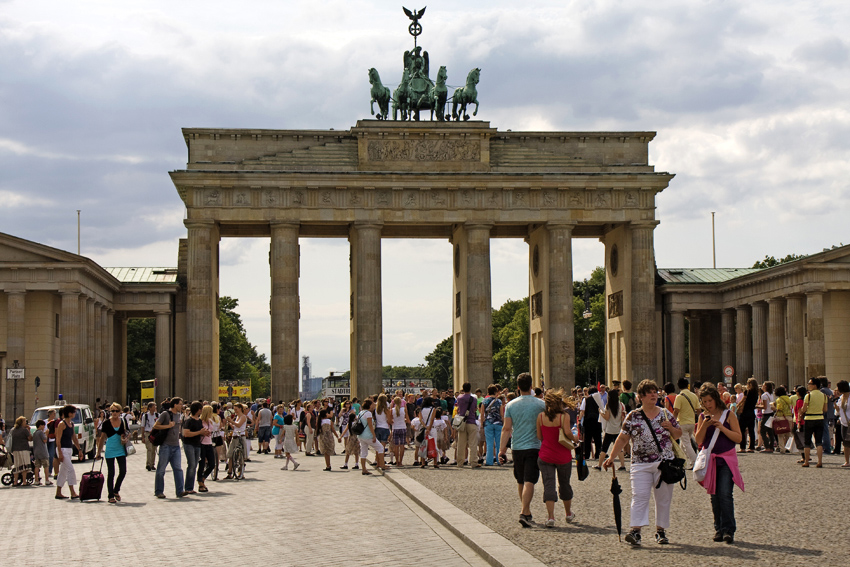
point(15, 374)
point(728, 371)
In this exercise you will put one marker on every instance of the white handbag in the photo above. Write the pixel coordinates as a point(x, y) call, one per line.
point(701, 463)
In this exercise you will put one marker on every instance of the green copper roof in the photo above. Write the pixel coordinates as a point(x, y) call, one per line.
point(702, 275)
point(144, 275)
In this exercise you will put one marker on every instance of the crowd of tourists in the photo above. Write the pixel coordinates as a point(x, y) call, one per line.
point(662, 432)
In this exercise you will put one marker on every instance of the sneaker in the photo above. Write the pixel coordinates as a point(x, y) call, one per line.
point(633, 537)
point(661, 538)
point(344, 467)
point(571, 518)
point(525, 521)
point(729, 538)
point(160, 495)
point(550, 523)
point(285, 468)
point(355, 468)
point(295, 467)
point(718, 536)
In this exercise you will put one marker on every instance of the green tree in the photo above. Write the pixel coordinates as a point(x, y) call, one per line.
point(510, 340)
point(770, 261)
point(141, 355)
point(238, 359)
point(439, 364)
point(590, 332)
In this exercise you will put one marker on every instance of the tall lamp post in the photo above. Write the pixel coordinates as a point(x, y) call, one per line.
point(587, 315)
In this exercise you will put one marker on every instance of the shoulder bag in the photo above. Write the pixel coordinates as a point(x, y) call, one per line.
point(562, 436)
point(458, 420)
point(701, 462)
point(672, 470)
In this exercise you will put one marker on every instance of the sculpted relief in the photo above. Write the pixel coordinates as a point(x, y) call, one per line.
point(424, 150)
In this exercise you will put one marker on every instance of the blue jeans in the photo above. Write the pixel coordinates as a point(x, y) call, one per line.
point(193, 455)
point(492, 438)
point(169, 454)
point(827, 440)
point(722, 504)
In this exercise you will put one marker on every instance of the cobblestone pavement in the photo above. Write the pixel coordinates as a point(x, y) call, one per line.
point(291, 517)
point(788, 516)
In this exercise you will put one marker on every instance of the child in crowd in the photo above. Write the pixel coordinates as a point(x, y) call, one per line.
point(40, 454)
point(416, 424)
point(290, 434)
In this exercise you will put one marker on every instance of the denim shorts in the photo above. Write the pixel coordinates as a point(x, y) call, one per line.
point(382, 433)
point(264, 434)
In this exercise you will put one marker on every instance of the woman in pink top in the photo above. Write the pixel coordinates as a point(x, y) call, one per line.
point(553, 458)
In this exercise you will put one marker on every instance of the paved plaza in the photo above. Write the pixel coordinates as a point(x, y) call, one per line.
point(300, 517)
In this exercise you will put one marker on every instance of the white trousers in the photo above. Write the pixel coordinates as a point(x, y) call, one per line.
point(644, 477)
point(366, 443)
point(67, 474)
point(685, 441)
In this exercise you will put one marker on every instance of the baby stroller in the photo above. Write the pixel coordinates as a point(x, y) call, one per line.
point(7, 460)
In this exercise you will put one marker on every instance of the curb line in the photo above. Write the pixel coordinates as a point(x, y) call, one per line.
point(479, 537)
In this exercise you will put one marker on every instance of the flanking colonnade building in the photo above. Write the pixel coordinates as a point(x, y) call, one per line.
point(465, 182)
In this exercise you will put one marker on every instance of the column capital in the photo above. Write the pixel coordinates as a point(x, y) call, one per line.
point(775, 300)
point(814, 289)
point(110, 311)
point(478, 225)
point(284, 224)
point(15, 291)
point(162, 311)
point(198, 223)
point(743, 307)
point(644, 224)
point(561, 224)
point(367, 224)
point(678, 310)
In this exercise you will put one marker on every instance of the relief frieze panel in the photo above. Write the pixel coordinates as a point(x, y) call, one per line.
point(424, 150)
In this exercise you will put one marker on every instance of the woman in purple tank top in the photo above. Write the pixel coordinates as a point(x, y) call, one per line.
point(722, 471)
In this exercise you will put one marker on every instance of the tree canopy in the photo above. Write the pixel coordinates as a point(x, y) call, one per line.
point(770, 261)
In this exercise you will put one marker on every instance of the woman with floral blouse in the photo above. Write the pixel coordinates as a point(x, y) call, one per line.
point(646, 457)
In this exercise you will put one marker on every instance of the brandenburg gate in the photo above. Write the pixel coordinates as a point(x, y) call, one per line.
point(463, 181)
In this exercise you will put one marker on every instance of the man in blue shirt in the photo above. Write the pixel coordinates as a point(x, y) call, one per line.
point(520, 426)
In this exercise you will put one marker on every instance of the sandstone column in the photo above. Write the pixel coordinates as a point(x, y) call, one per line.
point(284, 260)
point(695, 330)
point(366, 316)
point(202, 311)
point(817, 352)
point(99, 383)
point(91, 358)
point(85, 376)
point(776, 364)
point(69, 345)
point(796, 359)
point(16, 349)
point(727, 339)
point(162, 364)
point(643, 355)
point(121, 357)
point(760, 370)
point(479, 314)
point(743, 344)
point(677, 345)
point(561, 330)
point(112, 392)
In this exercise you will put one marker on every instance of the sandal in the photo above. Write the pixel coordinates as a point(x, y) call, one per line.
point(112, 500)
point(819, 466)
point(366, 473)
point(203, 489)
point(118, 497)
point(805, 465)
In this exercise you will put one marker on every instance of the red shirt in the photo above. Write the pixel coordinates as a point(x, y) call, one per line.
point(551, 451)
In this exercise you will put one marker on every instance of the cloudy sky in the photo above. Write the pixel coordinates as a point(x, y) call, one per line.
point(749, 99)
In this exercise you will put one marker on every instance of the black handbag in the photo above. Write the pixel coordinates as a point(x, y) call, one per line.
point(581, 464)
point(672, 470)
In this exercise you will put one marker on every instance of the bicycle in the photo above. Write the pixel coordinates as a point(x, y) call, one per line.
point(237, 460)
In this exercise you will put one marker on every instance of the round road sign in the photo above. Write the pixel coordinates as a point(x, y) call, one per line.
point(728, 371)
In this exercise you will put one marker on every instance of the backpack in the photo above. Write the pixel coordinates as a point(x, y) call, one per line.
point(357, 427)
point(157, 436)
point(631, 402)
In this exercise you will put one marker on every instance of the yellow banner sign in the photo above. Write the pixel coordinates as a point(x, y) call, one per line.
point(234, 392)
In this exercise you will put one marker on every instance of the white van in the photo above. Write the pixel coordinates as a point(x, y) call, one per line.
point(83, 427)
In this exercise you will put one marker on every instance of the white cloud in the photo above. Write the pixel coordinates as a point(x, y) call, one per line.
point(748, 99)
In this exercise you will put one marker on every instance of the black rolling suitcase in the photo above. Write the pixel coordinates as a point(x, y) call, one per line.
point(91, 486)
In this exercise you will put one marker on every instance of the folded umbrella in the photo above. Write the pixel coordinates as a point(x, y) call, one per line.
point(618, 511)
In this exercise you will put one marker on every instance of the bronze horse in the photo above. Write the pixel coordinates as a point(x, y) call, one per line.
point(466, 95)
